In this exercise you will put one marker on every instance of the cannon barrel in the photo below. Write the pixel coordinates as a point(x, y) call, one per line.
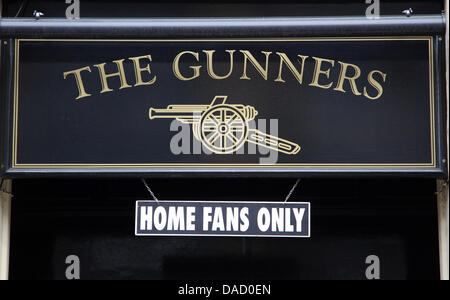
point(191, 113)
point(178, 112)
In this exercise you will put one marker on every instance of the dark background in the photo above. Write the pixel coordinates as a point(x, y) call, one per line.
point(351, 219)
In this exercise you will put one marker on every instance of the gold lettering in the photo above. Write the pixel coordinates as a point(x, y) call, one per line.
point(176, 66)
point(263, 71)
point(375, 84)
point(138, 70)
point(318, 71)
point(104, 77)
point(352, 80)
point(77, 74)
point(209, 55)
point(284, 59)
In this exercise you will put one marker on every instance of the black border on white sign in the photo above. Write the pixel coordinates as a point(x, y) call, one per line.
point(308, 204)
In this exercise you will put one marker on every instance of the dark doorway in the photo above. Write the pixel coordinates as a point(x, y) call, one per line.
point(351, 219)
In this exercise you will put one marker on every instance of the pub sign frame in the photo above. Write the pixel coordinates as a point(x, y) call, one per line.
point(12, 168)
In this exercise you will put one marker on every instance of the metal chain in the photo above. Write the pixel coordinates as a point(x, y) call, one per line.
point(156, 199)
point(22, 9)
point(292, 190)
point(150, 191)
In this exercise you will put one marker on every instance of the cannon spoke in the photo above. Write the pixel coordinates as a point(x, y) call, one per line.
point(223, 116)
point(232, 119)
point(237, 128)
point(210, 128)
point(213, 138)
point(214, 119)
point(232, 138)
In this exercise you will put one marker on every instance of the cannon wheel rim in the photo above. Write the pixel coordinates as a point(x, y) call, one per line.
point(236, 124)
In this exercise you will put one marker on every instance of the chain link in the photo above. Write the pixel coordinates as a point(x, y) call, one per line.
point(292, 190)
point(150, 190)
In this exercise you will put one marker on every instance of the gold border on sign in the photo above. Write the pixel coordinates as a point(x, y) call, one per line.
point(220, 166)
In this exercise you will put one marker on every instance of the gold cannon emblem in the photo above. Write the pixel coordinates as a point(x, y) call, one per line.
point(223, 128)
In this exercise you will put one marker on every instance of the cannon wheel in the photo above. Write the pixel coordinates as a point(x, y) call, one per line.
point(223, 129)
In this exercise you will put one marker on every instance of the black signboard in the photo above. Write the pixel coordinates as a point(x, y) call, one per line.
point(223, 106)
point(232, 219)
